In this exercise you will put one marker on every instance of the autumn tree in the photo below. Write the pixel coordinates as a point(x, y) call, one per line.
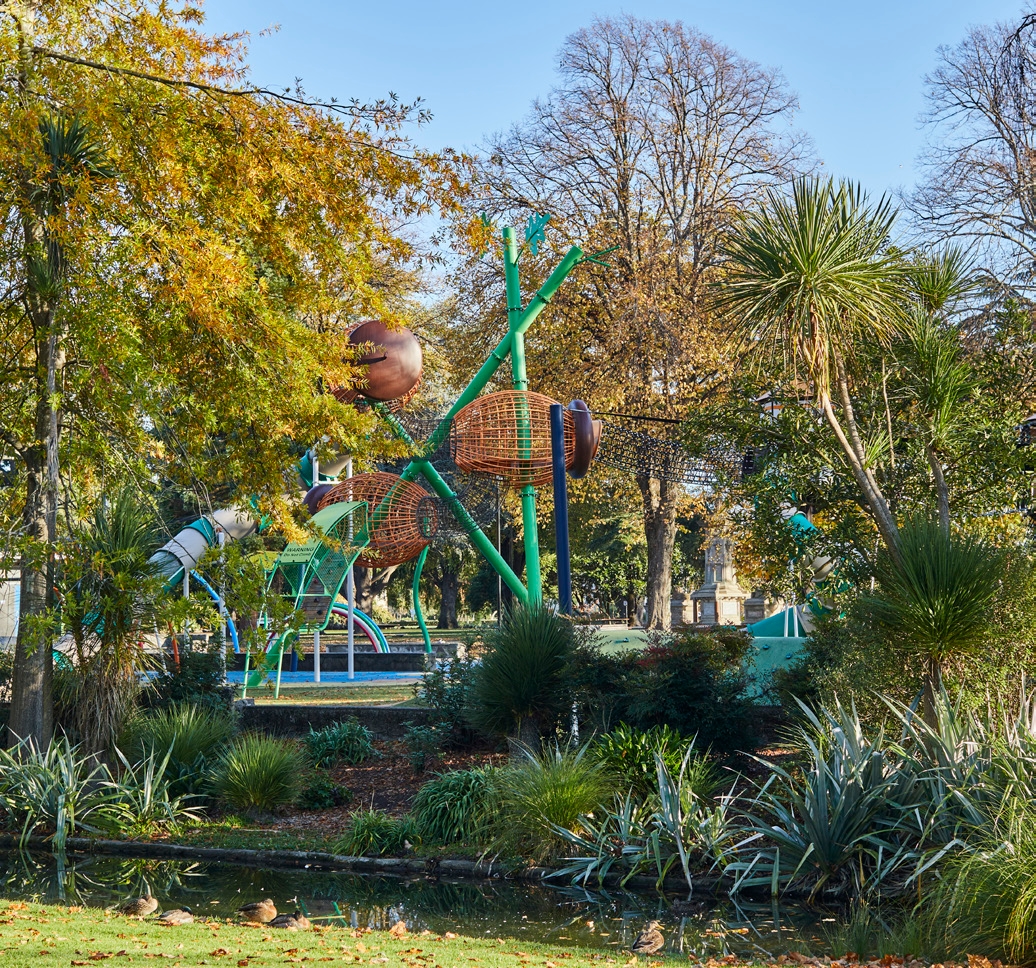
point(654, 139)
point(979, 184)
point(182, 253)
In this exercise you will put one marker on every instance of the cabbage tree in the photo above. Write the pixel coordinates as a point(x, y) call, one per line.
point(809, 278)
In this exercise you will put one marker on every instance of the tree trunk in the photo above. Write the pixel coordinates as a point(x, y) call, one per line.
point(852, 447)
point(32, 705)
point(660, 531)
point(942, 491)
point(449, 587)
point(369, 584)
point(932, 691)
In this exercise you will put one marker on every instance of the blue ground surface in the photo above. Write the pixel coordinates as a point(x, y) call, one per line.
point(306, 678)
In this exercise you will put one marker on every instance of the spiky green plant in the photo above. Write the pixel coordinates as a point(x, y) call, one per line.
point(455, 807)
point(542, 793)
point(347, 742)
point(60, 790)
point(64, 790)
point(258, 774)
point(835, 819)
point(520, 687)
point(192, 736)
point(373, 833)
point(184, 730)
point(935, 597)
point(676, 827)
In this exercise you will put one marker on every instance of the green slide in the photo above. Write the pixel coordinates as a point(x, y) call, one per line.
point(310, 575)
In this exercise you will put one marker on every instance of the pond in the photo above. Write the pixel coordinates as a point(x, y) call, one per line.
point(499, 909)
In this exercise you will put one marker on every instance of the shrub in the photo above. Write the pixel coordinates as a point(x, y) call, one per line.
point(694, 683)
point(191, 735)
point(198, 681)
point(520, 687)
point(445, 691)
point(602, 683)
point(349, 742)
point(323, 794)
point(257, 774)
point(455, 807)
point(422, 742)
point(373, 833)
point(542, 793)
point(629, 755)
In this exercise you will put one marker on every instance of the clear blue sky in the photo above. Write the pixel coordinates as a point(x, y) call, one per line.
point(856, 67)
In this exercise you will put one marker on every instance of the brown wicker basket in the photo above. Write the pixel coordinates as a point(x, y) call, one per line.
point(485, 437)
point(400, 529)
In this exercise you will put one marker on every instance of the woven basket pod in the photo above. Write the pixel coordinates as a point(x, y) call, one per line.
point(485, 438)
point(400, 529)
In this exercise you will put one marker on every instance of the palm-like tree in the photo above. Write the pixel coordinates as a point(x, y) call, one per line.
point(520, 686)
point(809, 277)
point(936, 599)
point(111, 597)
point(939, 380)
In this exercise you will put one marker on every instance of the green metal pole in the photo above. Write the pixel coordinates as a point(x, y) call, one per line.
point(527, 317)
point(418, 568)
point(518, 323)
point(520, 380)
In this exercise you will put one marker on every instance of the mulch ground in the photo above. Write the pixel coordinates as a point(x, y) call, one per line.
point(388, 783)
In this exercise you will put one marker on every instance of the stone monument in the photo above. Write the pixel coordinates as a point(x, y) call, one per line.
point(681, 607)
point(719, 601)
point(759, 606)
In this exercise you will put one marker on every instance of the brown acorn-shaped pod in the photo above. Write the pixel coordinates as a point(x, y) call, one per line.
point(586, 434)
point(393, 360)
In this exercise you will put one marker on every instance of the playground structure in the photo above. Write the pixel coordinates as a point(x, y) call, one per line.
point(378, 519)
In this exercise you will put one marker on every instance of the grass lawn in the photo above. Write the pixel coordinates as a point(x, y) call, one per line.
point(235, 833)
point(339, 694)
point(33, 936)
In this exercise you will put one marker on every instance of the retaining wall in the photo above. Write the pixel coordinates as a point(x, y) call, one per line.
point(385, 722)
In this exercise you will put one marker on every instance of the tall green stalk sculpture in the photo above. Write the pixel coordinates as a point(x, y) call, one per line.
point(519, 319)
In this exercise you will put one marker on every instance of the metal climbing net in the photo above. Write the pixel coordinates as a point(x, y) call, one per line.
point(665, 460)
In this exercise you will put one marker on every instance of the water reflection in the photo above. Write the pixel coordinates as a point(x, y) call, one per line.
point(498, 909)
